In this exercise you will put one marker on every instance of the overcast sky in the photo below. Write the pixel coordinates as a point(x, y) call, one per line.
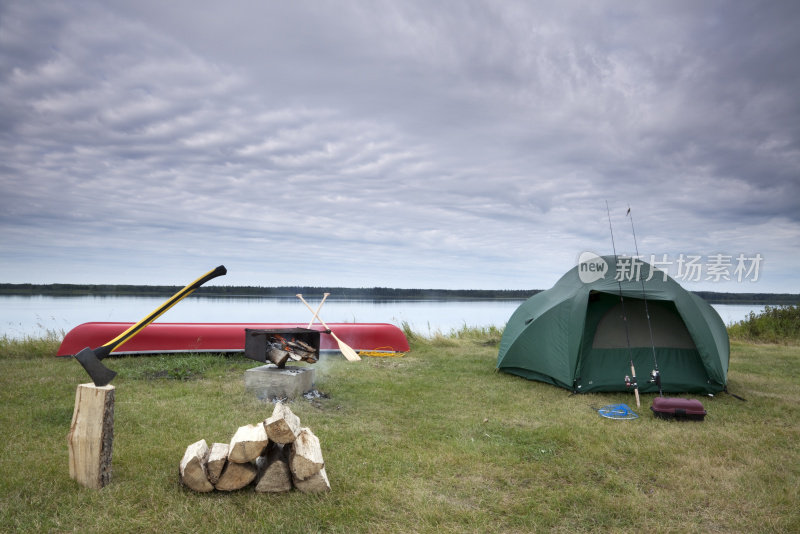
point(409, 144)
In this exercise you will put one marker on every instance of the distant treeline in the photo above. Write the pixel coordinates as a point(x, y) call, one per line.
point(345, 292)
point(256, 291)
point(749, 298)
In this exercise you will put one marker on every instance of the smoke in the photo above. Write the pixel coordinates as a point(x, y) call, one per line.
point(327, 359)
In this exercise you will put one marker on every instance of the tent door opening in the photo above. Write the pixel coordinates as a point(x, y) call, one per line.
point(605, 358)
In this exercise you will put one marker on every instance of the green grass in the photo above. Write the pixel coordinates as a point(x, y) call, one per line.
point(435, 441)
point(30, 347)
point(775, 324)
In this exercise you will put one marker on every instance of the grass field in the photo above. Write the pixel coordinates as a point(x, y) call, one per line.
point(435, 441)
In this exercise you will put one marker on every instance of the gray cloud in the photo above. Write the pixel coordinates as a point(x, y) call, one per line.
point(466, 144)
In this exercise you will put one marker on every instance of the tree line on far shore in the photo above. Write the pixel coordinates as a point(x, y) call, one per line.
point(344, 292)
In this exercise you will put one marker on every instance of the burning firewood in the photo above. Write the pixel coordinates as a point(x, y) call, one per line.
point(301, 351)
point(282, 346)
point(281, 350)
point(300, 348)
point(277, 355)
point(311, 357)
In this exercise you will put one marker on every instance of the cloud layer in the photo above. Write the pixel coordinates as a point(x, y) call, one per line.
point(461, 144)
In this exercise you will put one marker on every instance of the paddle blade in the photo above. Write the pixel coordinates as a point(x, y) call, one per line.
point(348, 352)
point(99, 373)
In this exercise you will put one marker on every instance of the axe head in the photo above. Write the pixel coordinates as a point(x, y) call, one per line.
point(99, 373)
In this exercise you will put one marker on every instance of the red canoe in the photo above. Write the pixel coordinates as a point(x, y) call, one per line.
point(158, 338)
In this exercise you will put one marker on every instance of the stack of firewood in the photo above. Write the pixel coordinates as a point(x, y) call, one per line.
point(274, 455)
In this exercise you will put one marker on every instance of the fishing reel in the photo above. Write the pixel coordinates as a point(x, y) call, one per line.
point(655, 378)
point(631, 382)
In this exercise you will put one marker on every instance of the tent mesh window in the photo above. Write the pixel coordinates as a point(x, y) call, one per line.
point(667, 326)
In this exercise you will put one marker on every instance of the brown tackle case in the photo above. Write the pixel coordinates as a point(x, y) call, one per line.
point(678, 409)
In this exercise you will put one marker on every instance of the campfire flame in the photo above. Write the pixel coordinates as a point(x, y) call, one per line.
point(284, 344)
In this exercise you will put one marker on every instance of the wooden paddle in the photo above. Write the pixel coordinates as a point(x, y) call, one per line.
point(348, 352)
point(316, 313)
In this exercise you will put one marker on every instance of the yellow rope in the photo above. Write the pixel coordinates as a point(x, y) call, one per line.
point(389, 352)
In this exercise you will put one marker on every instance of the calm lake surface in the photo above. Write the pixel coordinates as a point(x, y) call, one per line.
point(36, 315)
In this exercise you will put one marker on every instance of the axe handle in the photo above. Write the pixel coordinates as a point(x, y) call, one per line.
point(105, 349)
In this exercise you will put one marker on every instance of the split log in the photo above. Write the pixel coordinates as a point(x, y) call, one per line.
point(91, 435)
point(193, 468)
point(305, 457)
point(273, 471)
point(248, 443)
point(301, 355)
point(277, 356)
point(301, 345)
point(216, 461)
point(301, 351)
point(283, 425)
point(316, 483)
point(236, 476)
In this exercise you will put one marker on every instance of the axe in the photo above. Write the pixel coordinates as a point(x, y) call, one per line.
point(90, 358)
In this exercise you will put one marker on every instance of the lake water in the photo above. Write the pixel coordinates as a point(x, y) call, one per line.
point(36, 315)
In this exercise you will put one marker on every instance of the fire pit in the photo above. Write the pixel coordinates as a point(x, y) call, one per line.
point(277, 347)
point(282, 345)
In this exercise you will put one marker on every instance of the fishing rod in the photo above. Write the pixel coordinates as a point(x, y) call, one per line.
point(655, 375)
point(630, 381)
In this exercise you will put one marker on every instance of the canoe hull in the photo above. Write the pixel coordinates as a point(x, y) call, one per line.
point(161, 338)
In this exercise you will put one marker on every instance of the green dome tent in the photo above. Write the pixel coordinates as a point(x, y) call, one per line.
point(573, 335)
